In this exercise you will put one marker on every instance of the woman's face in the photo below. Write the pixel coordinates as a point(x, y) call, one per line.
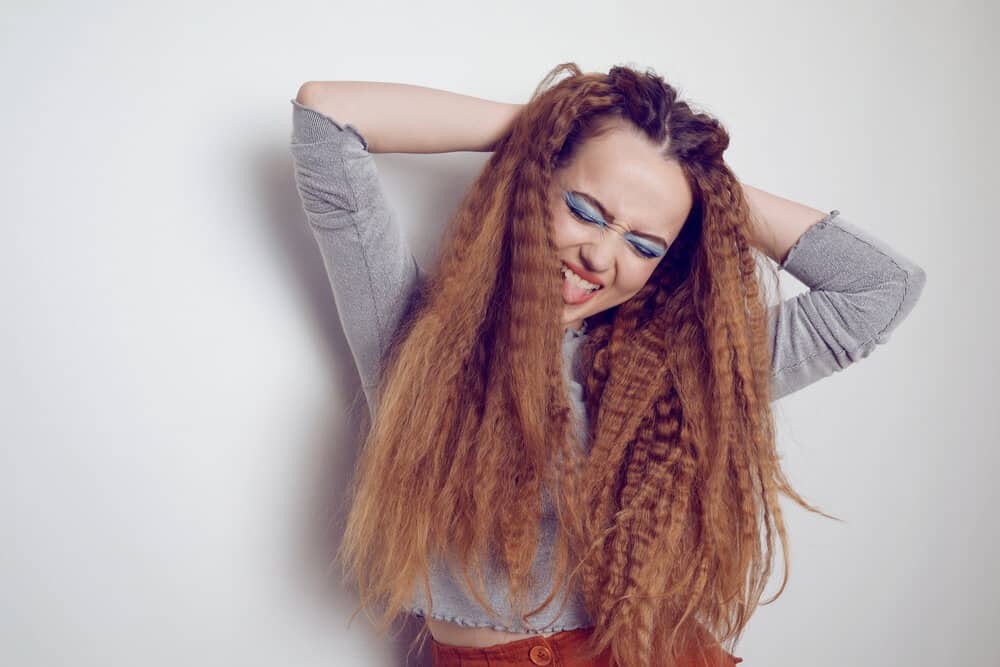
point(615, 208)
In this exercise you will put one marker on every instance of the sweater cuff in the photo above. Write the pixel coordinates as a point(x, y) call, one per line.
point(805, 239)
point(312, 126)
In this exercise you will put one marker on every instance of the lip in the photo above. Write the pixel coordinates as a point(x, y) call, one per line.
point(586, 275)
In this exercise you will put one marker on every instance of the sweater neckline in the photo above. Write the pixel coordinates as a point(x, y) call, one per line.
point(576, 333)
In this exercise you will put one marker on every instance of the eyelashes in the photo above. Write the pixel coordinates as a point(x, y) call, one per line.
point(647, 249)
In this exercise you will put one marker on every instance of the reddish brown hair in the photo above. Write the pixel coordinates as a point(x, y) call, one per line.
point(668, 526)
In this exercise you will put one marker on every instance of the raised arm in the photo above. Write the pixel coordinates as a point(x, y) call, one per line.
point(371, 269)
point(860, 290)
point(403, 118)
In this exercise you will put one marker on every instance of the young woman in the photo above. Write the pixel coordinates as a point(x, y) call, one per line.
point(572, 455)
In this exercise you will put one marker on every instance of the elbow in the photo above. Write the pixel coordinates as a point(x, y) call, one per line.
point(903, 294)
point(305, 93)
point(916, 280)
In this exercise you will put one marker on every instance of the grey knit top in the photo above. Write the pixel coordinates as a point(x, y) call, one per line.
point(860, 289)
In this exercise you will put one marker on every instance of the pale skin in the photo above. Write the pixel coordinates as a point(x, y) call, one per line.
point(638, 189)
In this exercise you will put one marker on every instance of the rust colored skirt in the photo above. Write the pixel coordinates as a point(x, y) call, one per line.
point(559, 650)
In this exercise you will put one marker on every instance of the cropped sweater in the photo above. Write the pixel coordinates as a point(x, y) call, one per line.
point(860, 289)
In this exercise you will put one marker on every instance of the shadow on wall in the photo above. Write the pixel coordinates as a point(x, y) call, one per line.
point(331, 452)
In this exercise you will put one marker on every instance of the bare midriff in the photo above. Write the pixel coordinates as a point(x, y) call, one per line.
point(453, 634)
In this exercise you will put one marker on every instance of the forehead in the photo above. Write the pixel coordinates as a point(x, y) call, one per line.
point(626, 173)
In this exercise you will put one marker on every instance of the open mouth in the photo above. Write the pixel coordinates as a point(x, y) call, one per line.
point(576, 290)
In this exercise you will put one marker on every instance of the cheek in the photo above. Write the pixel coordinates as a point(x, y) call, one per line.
point(632, 279)
point(567, 232)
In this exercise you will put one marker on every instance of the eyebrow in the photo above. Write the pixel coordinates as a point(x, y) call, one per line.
point(608, 217)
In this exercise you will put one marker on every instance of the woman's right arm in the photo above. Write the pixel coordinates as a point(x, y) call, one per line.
point(335, 128)
point(403, 118)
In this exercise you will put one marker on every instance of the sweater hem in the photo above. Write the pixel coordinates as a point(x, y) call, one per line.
point(420, 612)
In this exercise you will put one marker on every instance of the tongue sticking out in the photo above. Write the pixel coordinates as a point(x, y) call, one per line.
point(573, 293)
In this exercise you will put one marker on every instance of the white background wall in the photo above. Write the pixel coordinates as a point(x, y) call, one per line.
point(177, 392)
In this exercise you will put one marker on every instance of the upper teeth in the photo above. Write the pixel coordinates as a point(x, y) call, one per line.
point(569, 273)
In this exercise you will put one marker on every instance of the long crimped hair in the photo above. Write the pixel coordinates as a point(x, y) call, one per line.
point(667, 524)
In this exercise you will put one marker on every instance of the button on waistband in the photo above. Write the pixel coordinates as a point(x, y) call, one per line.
point(540, 654)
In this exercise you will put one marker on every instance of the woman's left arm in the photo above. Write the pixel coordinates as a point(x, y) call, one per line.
point(860, 289)
point(778, 222)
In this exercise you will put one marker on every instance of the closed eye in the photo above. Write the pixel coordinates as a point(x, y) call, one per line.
point(653, 250)
point(575, 210)
point(581, 216)
point(646, 249)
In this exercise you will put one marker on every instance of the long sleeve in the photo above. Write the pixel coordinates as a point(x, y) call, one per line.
point(860, 289)
point(370, 266)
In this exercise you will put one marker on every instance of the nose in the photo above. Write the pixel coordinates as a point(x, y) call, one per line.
point(600, 253)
